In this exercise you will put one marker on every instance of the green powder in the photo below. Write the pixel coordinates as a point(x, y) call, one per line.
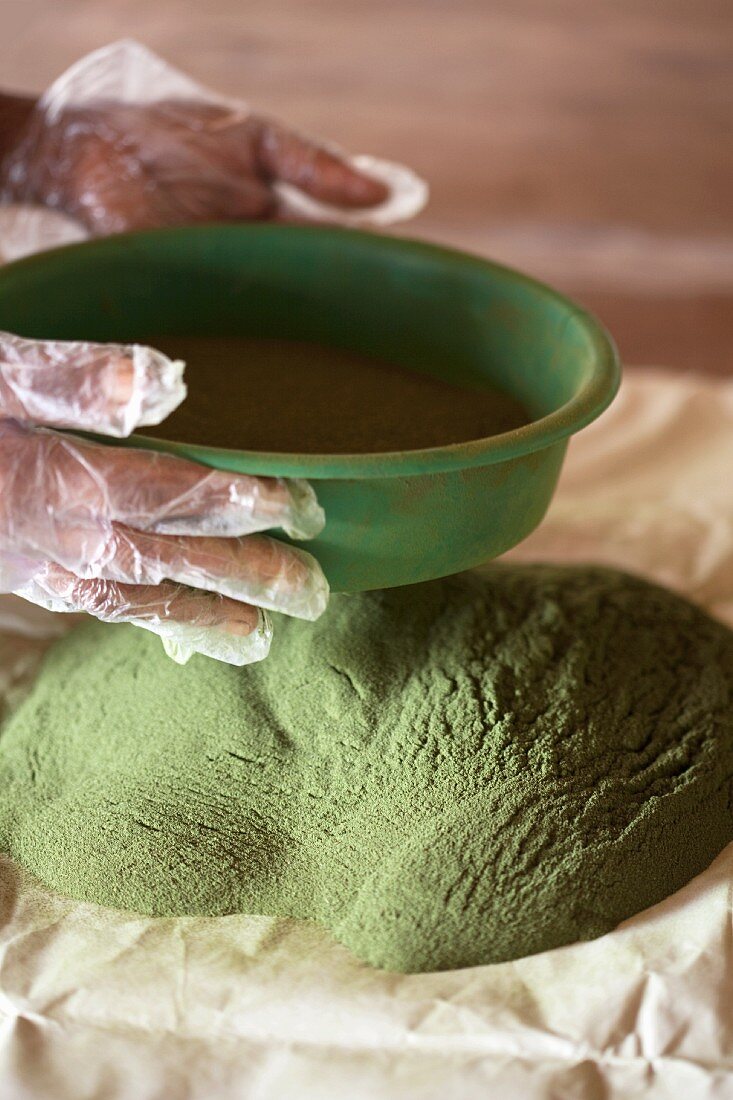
point(456, 773)
point(289, 395)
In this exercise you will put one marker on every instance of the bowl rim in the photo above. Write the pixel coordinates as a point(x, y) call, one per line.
point(593, 397)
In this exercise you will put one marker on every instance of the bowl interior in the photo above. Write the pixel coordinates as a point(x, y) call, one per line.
point(436, 311)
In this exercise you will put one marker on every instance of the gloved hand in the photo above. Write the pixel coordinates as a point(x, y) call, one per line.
point(123, 141)
point(116, 167)
point(137, 536)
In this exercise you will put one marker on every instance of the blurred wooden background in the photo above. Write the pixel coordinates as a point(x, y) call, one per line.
point(589, 142)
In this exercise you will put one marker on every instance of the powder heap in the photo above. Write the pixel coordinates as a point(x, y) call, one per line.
point(460, 772)
point(248, 394)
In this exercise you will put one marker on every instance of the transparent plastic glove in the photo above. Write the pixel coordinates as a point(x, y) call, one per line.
point(137, 536)
point(123, 141)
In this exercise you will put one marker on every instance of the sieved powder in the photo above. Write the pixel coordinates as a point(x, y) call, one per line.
point(248, 393)
point(456, 773)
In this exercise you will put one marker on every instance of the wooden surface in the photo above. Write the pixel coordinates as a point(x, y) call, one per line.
point(589, 142)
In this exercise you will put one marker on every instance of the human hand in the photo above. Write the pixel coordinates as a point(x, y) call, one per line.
point(136, 536)
point(118, 166)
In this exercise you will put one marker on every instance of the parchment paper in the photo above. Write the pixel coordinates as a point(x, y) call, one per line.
point(105, 1005)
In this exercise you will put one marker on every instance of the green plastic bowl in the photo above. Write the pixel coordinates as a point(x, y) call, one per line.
point(395, 518)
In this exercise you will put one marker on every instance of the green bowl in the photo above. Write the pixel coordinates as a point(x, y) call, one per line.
point(395, 518)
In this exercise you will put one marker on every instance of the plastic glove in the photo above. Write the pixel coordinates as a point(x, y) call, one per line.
point(137, 536)
point(123, 141)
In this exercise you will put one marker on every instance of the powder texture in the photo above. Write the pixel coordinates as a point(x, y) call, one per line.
point(291, 396)
point(457, 773)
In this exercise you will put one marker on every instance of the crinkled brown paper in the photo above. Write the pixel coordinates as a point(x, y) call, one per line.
point(100, 1004)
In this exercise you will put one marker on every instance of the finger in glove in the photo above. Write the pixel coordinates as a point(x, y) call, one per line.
point(188, 621)
point(255, 569)
point(107, 388)
point(60, 491)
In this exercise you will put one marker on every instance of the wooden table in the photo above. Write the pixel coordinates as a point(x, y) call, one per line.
point(587, 142)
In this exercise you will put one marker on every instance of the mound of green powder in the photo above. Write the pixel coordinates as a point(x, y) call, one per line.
point(461, 772)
